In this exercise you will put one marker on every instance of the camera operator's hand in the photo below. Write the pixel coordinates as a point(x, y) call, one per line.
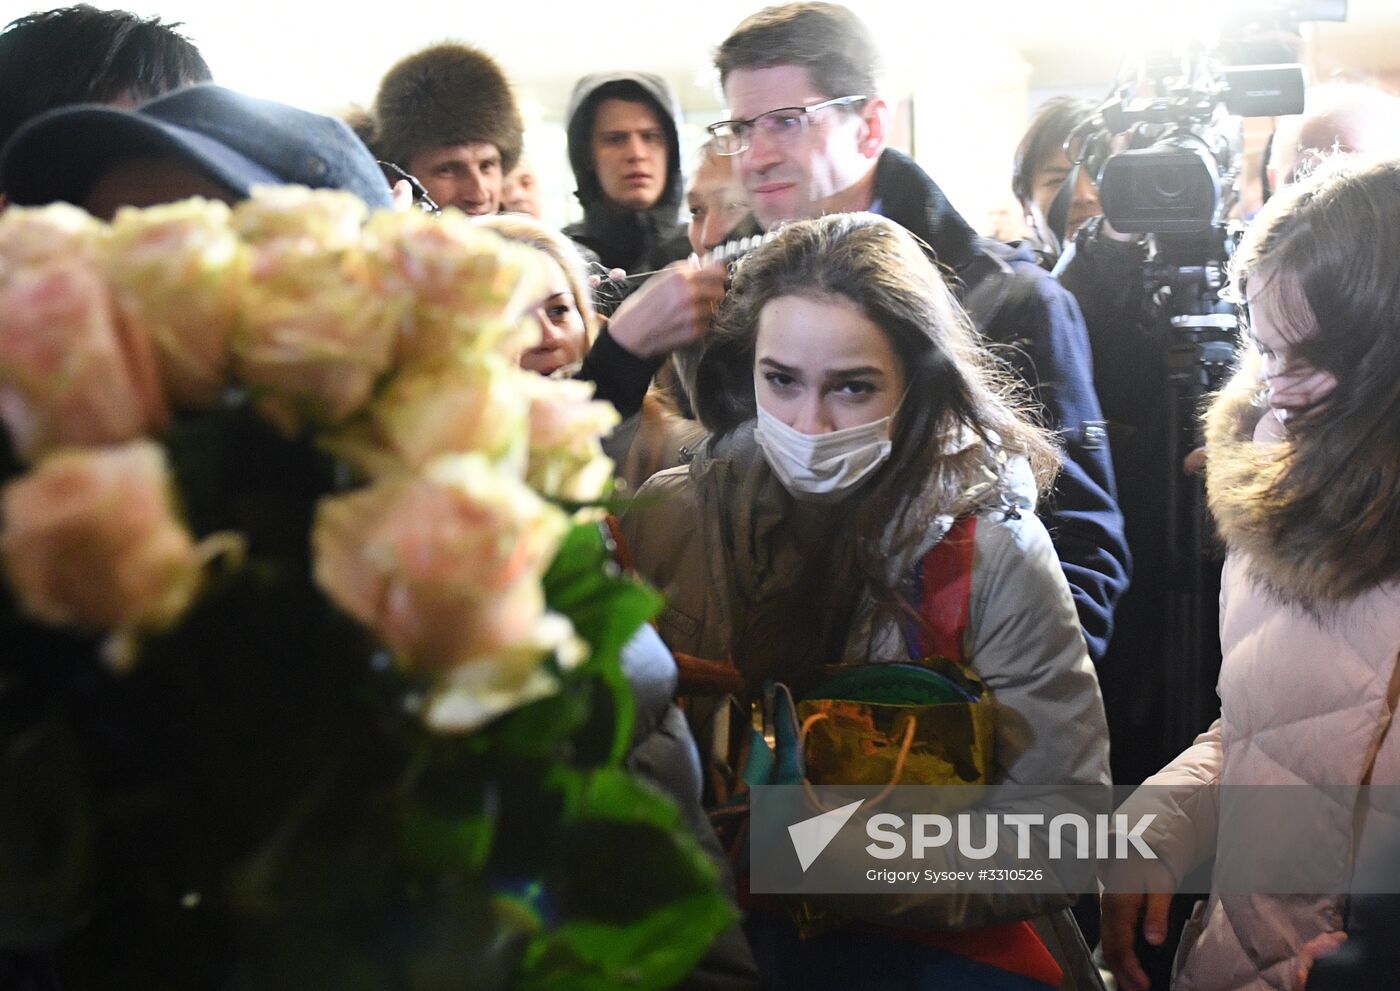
point(1118, 928)
point(1120, 911)
point(1120, 143)
point(1319, 946)
point(673, 309)
point(613, 275)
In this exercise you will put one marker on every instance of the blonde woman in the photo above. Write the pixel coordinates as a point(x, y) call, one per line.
point(650, 438)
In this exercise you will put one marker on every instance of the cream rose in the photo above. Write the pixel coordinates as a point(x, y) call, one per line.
point(326, 219)
point(471, 403)
point(461, 286)
point(177, 272)
point(445, 568)
point(567, 426)
point(473, 694)
point(35, 235)
point(90, 539)
point(314, 338)
point(71, 371)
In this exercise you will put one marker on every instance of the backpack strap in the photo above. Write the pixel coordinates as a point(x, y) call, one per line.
point(622, 554)
point(991, 283)
point(943, 583)
point(993, 288)
point(995, 295)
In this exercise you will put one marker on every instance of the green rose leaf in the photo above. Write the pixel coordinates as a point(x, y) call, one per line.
point(585, 584)
point(653, 952)
point(636, 893)
point(606, 609)
point(462, 843)
point(538, 729)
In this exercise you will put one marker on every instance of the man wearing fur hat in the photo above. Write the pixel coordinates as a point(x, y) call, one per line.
point(447, 115)
point(625, 151)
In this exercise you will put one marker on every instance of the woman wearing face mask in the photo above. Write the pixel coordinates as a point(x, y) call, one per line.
point(1303, 479)
point(853, 422)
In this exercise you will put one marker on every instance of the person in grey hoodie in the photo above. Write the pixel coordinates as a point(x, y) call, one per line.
point(624, 148)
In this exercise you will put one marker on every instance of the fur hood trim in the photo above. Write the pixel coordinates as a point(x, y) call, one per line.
point(1315, 564)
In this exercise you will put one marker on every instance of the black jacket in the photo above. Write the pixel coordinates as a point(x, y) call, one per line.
point(632, 240)
point(1036, 325)
point(1147, 713)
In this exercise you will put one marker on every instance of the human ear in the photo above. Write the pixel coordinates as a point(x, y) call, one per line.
point(874, 130)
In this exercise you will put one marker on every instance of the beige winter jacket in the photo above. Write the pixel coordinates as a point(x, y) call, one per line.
point(649, 441)
point(1307, 688)
point(705, 534)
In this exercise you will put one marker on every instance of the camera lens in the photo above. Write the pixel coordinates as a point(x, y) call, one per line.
point(1170, 182)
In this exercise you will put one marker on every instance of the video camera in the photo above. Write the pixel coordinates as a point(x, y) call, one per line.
point(1178, 172)
point(1164, 147)
point(1165, 150)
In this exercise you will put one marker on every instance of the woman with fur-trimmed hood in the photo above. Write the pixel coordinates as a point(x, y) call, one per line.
point(1303, 478)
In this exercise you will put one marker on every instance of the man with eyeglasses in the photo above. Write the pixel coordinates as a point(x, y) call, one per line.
point(808, 135)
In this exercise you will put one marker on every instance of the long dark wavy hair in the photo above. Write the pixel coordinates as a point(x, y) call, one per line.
point(1324, 506)
point(953, 387)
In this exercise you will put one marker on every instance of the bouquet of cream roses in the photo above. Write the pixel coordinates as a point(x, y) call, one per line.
point(309, 647)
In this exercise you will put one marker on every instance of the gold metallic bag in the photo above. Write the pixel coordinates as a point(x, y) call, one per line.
point(927, 723)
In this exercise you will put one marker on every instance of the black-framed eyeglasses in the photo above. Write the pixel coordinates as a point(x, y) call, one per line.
point(786, 124)
point(421, 199)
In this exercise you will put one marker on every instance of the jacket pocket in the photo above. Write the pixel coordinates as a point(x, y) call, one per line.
point(676, 627)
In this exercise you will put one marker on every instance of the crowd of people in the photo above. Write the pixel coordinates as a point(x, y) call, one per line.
point(872, 380)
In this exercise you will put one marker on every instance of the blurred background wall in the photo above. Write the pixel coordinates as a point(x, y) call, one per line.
point(964, 77)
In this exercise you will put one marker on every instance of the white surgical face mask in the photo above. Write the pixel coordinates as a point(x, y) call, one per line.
point(822, 467)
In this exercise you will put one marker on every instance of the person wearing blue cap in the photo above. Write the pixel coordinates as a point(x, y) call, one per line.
point(79, 54)
point(202, 140)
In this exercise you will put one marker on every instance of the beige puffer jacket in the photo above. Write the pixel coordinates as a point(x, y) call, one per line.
point(706, 533)
point(649, 441)
point(1307, 687)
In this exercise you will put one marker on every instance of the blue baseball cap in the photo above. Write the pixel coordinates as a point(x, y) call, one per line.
point(236, 140)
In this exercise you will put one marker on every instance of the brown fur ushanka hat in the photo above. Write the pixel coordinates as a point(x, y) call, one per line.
point(449, 94)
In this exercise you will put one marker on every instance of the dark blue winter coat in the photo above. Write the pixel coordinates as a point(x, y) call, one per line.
point(1035, 324)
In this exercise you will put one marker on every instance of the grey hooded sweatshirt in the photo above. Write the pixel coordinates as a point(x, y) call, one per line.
point(633, 240)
